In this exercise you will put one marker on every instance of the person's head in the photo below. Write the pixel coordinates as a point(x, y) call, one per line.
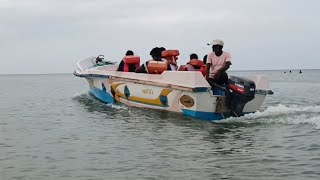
point(205, 59)
point(217, 46)
point(129, 53)
point(162, 49)
point(193, 56)
point(156, 53)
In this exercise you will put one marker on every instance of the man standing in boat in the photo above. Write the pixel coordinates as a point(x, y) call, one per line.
point(218, 62)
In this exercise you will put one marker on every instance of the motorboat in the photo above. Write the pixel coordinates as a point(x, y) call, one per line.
point(185, 92)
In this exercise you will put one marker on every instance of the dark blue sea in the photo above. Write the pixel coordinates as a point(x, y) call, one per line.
point(51, 128)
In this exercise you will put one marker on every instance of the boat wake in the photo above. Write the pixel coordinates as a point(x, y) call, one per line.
point(290, 115)
point(282, 114)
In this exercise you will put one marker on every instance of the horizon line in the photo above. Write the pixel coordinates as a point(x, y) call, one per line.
point(230, 71)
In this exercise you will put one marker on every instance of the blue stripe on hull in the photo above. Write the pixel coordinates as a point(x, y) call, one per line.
point(209, 116)
point(102, 95)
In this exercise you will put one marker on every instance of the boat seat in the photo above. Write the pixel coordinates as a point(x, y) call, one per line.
point(128, 60)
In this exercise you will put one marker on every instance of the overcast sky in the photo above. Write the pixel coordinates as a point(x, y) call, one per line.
point(50, 36)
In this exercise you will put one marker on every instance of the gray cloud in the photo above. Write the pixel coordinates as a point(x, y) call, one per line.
point(50, 36)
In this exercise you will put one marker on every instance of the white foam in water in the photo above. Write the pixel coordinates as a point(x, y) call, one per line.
point(117, 106)
point(84, 92)
point(283, 114)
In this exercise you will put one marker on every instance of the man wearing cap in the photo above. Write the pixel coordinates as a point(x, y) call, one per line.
point(217, 64)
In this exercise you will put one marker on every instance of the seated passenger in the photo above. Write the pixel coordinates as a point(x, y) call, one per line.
point(156, 56)
point(194, 64)
point(193, 56)
point(132, 67)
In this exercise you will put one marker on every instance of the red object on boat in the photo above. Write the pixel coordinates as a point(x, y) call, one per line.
point(157, 67)
point(170, 53)
point(130, 60)
point(203, 69)
point(196, 62)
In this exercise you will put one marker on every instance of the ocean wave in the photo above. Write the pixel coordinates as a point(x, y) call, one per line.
point(282, 114)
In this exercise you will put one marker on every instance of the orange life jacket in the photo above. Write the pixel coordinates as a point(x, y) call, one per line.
point(203, 69)
point(196, 63)
point(157, 67)
point(170, 55)
point(130, 60)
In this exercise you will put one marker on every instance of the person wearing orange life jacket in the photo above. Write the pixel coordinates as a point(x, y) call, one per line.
point(156, 54)
point(194, 64)
point(218, 62)
point(132, 67)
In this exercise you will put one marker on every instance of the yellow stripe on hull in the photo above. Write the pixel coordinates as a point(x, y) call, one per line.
point(156, 102)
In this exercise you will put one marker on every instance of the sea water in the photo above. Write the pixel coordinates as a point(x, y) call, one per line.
point(51, 128)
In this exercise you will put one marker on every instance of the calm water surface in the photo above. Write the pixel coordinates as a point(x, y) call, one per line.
point(51, 128)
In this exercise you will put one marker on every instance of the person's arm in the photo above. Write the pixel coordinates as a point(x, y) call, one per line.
point(142, 68)
point(209, 62)
point(226, 65)
point(222, 69)
point(208, 70)
point(121, 66)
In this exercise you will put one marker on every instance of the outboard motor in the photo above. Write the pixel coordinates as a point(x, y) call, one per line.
point(240, 91)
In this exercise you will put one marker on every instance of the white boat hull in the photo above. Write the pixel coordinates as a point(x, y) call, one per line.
point(187, 93)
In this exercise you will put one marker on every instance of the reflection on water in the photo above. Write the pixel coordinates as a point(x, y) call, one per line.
point(154, 116)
